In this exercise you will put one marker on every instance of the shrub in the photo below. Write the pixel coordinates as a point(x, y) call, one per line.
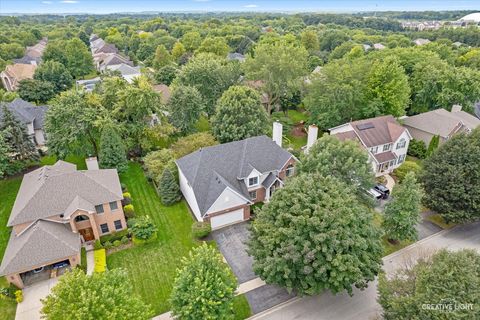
point(155, 162)
point(433, 145)
point(8, 292)
point(97, 245)
point(19, 296)
point(201, 229)
point(138, 241)
point(107, 245)
point(124, 240)
point(124, 187)
point(83, 259)
point(417, 148)
point(143, 228)
point(100, 260)
point(406, 167)
point(117, 243)
point(114, 236)
point(191, 143)
point(129, 211)
point(127, 198)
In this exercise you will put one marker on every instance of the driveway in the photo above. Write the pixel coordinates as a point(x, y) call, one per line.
point(231, 242)
point(29, 309)
point(363, 305)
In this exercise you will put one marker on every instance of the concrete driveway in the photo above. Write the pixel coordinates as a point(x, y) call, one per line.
point(231, 242)
point(29, 309)
point(363, 304)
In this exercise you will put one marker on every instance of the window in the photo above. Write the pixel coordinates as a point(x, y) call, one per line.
point(104, 228)
point(113, 205)
point(118, 224)
point(386, 147)
point(290, 170)
point(99, 208)
point(374, 150)
point(401, 159)
point(252, 181)
point(253, 195)
point(81, 218)
point(401, 143)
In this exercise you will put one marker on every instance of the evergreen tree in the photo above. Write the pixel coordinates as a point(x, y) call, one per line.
point(4, 159)
point(403, 212)
point(112, 151)
point(168, 188)
point(16, 137)
point(433, 145)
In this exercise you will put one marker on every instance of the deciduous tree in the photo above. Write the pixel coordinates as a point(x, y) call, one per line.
point(55, 73)
point(37, 91)
point(112, 150)
point(215, 45)
point(185, 106)
point(162, 57)
point(191, 143)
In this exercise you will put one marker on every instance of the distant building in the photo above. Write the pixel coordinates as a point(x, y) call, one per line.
point(421, 42)
point(14, 73)
point(236, 56)
point(378, 46)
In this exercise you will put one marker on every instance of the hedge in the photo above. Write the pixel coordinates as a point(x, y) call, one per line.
point(201, 229)
point(83, 259)
point(100, 260)
point(114, 236)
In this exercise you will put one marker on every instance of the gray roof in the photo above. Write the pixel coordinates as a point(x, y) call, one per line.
point(212, 169)
point(125, 69)
point(40, 244)
point(236, 56)
point(441, 122)
point(477, 109)
point(26, 112)
point(53, 190)
point(28, 60)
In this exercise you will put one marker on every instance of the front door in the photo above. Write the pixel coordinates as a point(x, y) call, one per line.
point(87, 234)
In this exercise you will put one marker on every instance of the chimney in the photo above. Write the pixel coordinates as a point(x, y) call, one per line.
point(312, 136)
point(277, 133)
point(456, 108)
point(92, 163)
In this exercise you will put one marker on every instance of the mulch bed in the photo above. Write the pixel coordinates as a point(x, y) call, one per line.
point(298, 130)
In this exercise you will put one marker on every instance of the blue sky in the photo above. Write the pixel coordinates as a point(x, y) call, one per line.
point(109, 6)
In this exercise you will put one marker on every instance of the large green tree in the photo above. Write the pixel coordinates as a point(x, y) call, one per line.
point(162, 57)
point(37, 91)
point(451, 178)
point(280, 66)
point(446, 279)
point(204, 286)
point(168, 188)
point(188, 144)
point(403, 213)
point(107, 295)
point(239, 115)
point(185, 107)
point(79, 59)
point(215, 45)
point(112, 150)
point(191, 40)
point(314, 235)
point(55, 73)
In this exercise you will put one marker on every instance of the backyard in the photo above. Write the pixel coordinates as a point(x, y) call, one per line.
point(295, 139)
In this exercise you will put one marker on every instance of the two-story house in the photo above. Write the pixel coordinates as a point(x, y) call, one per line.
point(385, 140)
point(56, 210)
point(221, 182)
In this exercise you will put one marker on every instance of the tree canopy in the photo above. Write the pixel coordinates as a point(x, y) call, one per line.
point(185, 107)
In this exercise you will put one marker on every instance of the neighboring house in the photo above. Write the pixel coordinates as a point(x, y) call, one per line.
point(111, 60)
point(30, 115)
point(56, 210)
point(28, 60)
point(378, 46)
point(236, 56)
point(440, 123)
point(221, 182)
point(96, 44)
point(107, 48)
point(385, 140)
point(128, 72)
point(87, 85)
point(421, 42)
point(14, 73)
point(476, 108)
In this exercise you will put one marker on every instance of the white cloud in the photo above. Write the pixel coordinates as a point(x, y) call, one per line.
point(69, 1)
point(47, 2)
point(250, 6)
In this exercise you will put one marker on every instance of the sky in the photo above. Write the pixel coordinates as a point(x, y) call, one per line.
point(112, 6)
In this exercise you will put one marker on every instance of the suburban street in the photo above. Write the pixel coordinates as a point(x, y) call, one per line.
point(363, 305)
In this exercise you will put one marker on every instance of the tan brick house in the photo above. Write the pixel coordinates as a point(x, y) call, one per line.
point(57, 209)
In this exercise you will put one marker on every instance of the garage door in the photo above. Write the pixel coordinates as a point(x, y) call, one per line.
point(226, 219)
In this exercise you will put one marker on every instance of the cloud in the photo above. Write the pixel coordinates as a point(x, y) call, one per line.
point(250, 6)
point(47, 2)
point(69, 1)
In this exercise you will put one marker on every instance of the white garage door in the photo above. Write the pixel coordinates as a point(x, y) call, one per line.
point(226, 218)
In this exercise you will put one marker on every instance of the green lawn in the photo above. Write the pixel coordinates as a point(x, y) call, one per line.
point(241, 307)
point(75, 159)
point(388, 248)
point(151, 268)
point(292, 118)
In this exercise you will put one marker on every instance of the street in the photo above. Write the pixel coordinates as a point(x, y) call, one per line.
point(363, 305)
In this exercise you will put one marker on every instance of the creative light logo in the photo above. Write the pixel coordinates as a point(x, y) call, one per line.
point(447, 305)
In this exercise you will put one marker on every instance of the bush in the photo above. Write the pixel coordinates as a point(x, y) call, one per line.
point(114, 236)
point(433, 145)
point(8, 292)
point(201, 229)
point(127, 198)
point(117, 243)
point(138, 241)
point(417, 148)
point(129, 211)
point(107, 245)
point(97, 245)
point(406, 167)
point(124, 240)
point(155, 162)
point(143, 228)
point(100, 260)
point(19, 296)
point(124, 187)
point(83, 259)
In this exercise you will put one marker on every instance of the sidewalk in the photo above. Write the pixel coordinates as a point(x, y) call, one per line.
point(90, 262)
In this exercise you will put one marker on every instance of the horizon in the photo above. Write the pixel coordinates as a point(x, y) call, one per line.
point(39, 7)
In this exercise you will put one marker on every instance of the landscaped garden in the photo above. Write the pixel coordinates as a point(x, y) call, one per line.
point(293, 122)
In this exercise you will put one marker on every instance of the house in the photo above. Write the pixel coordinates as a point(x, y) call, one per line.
point(31, 116)
point(221, 182)
point(111, 60)
point(106, 48)
point(440, 123)
point(56, 210)
point(96, 44)
point(14, 73)
point(421, 42)
point(378, 46)
point(236, 56)
point(87, 85)
point(128, 72)
point(385, 140)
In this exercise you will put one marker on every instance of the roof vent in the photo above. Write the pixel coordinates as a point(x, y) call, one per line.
point(365, 126)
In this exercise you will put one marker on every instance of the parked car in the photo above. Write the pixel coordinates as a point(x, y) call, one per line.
point(382, 190)
point(59, 265)
point(375, 194)
point(38, 270)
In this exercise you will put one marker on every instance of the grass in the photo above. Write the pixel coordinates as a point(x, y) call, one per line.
point(75, 159)
point(297, 116)
point(100, 260)
point(241, 307)
point(296, 142)
point(151, 267)
point(439, 221)
point(292, 118)
point(388, 247)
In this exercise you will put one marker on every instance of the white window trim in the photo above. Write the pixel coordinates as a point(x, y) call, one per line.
point(255, 184)
point(256, 195)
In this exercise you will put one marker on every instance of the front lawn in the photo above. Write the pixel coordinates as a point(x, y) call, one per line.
point(241, 307)
point(388, 247)
point(151, 268)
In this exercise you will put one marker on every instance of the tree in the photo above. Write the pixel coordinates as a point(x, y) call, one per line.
point(185, 106)
point(7, 96)
point(73, 123)
point(239, 115)
point(79, 59)
point(215, 45)
point(446, 278)
point(168, 188)
point(204, 286)
point(405, 168)
point(55, 51)
point(403, 213)
point(309, 40)
point(417, 148)
point(4, 158)
point(36, 90)
point(106, 295)
point(178, 50)
point(279, 66)
point(16, 137)
point(433, 145)
point(55, 73)
point(314, 235)
point(166, 74)
point(344, 160)
point(188, 144)
point(112, 151)
point(162, 57)
point(191, 40)
point(451, 178)
point(157, 161)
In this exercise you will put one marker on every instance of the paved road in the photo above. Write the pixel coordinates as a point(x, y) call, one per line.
point(363, 305)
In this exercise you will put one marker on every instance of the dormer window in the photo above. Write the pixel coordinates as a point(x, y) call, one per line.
point(252, 181)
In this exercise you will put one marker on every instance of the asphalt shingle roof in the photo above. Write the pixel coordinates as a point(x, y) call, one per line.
point(210, 170)
point(26, 112)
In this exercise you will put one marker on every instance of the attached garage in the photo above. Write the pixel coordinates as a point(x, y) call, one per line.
point(227, 218)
